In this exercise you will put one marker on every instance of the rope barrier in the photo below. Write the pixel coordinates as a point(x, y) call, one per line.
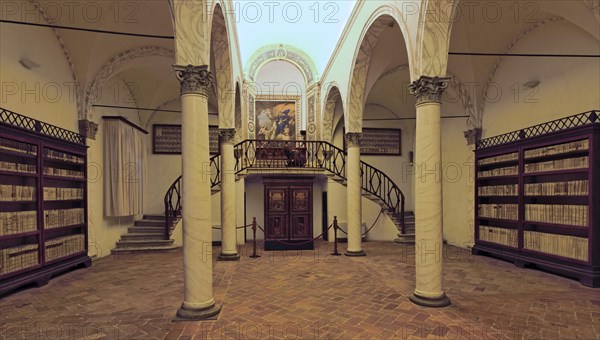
point(365, 233)
point(240, 227)
point(298, 243)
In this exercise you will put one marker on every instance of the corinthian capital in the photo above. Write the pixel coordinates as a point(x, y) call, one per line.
point(353, 138)
point(193, 79)
point(428, 89)
point(226, 135)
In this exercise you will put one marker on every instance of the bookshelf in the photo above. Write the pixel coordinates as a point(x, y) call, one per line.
point(535, 194)
point(43, 201)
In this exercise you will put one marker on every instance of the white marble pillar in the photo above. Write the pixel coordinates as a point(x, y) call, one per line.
point(353, 196)
point(429, 290)
point(228, 232)
point(198, 303)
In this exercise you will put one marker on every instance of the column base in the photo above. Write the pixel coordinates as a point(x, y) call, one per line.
point(228, 257)
point(355, 253)
point(442, 301)
point(208, 313)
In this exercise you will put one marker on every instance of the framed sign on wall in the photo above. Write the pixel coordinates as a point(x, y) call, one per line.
point(277, 117)
point(166, 139)
point(382, 142)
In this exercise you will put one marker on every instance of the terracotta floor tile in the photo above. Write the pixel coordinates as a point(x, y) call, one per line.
point(305, 295)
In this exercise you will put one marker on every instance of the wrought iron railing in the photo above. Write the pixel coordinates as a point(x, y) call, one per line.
point(173, 205)
point(29, 124)
point(581, 119)
point(318, 155)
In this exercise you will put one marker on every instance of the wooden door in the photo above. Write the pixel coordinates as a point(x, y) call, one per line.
point(288, 210)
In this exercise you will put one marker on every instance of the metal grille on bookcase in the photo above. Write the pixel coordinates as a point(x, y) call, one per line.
point(590, 117)
point(20, 121)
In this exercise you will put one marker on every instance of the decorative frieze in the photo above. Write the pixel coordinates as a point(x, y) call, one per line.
point(429, 89)
point(194, 79)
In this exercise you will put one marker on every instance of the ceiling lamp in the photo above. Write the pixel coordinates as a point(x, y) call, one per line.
point(28, 64)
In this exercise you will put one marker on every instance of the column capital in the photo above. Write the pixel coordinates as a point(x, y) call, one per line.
point(226, 135)
point(473, 136)
point(429, 89)
point(353, 138)
point(193, 79)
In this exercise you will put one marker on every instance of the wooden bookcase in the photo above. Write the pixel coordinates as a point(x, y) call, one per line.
point(43, 201)
point(537, 196)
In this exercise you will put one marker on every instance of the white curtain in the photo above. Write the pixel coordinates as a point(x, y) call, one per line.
point(124, 169)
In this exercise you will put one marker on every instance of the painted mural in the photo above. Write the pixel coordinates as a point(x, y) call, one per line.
point(275, 120)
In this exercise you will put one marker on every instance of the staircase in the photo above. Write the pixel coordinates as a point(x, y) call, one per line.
point(409, 217)
point(147, 234)
point(153, 232)
point(409, 229)
point(323, 156)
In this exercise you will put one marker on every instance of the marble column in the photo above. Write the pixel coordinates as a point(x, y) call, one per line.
point(353, 196)
point(429, 290)
point(198, 303)
point(228, 232)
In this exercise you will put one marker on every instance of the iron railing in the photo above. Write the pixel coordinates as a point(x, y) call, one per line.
point(29, 124)
point(581, 119)
point(173, 206)
point(319, 155)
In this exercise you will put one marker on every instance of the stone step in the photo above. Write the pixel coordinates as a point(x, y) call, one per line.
point(144, 243)
point(147, 223)
point(146, 229)
point(154, 217)
point(405, 238)
point(142, 236)
point(132, 250)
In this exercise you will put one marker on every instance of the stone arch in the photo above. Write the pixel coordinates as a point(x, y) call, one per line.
point(115, 63)
point(433, 38)
point(284, 52)
point(238, 113)
point(221, 55)
point(332, 98)
point(61, 42)
point(381, 20)
point(477, 119)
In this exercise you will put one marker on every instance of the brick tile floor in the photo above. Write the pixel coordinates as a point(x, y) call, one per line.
point(305, 295)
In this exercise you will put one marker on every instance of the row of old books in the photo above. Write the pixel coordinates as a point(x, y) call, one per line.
point(56, 194)
point(17, 222)
point(570, 188)
point(501, 158)
point(64, 246)
point(500, 211)
point(557, 213)
point(17, 193)
point(507, 237)
point(499, 190)
point(558, 164)
point(63, 172)
point(52, 154)
point(20, 167)
point(63, 217)
point(579, 145)
point(506, 171)
point(17, 258)
point(14, 146)
point(561, 245)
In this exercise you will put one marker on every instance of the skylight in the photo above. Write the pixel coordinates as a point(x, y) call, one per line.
point(312, 26)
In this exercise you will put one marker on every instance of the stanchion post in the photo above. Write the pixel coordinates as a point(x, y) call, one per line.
point(335, 229)
point(254, 255)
